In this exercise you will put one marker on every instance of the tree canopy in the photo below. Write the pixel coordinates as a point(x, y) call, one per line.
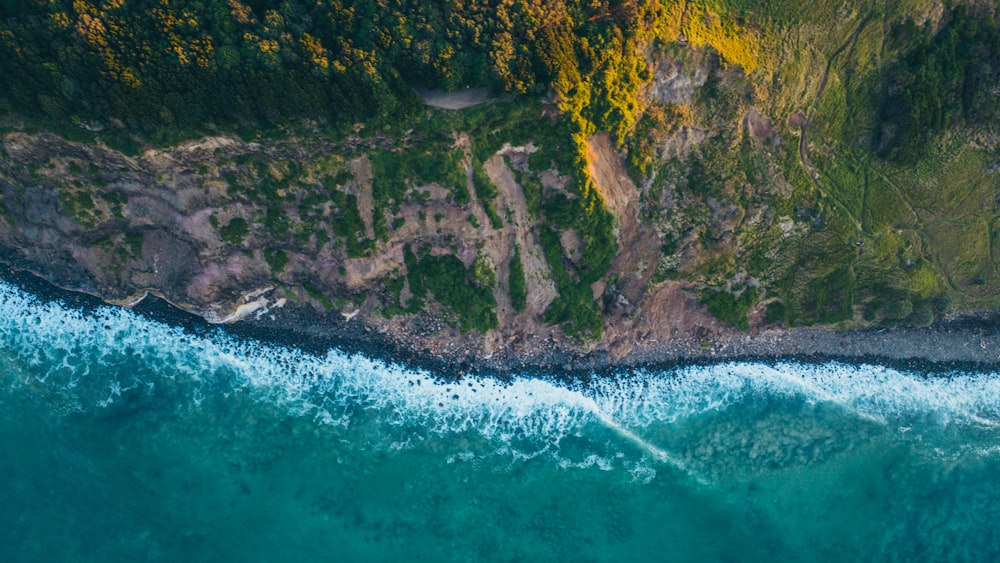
point(149, 65)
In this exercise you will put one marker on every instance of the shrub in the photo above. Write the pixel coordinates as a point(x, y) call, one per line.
point(446, 278)
point(276, 260)
point(899, 309)
point(236, 231)
point(516, 282)
point(729, 308)
point(922, 316)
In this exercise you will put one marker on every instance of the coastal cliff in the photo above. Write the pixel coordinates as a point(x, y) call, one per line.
point(719, 193)
point(90, 219)
point(87, 218)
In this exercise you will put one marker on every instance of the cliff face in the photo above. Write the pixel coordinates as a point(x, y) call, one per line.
point(457, 237)
point(90, 218)
point(174, 223)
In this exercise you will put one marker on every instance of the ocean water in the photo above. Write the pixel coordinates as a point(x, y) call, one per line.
point(128, 440)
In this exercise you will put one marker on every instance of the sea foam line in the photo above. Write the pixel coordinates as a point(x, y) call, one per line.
point(330, 387)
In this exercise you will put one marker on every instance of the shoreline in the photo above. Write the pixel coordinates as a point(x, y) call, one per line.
point(966, 343)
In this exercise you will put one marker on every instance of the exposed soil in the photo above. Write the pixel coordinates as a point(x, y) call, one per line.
point(760, 127)
point(183, 259)
point(638, 243)
point(538, 278)
point(361, 187)
point(798, 120)
point(640, 317)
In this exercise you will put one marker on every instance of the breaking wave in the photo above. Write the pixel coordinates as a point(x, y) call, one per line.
point(708, 421)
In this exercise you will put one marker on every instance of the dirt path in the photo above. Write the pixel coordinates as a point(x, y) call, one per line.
point(798, 120)
point(803, 147)
point(851, 39)
point(459, 99)
point(807, 117)
point(801, 120)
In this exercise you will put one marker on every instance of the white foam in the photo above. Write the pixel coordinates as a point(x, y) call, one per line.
point(527, 416)
point(873, 392)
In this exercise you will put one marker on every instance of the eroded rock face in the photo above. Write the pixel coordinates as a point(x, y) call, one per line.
point(761, 127)
point(676, 82)
point(230, 230)
point(91, 218)
point(540, 288)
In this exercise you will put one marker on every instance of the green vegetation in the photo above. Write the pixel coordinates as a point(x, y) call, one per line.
point(394, 169)
point(887, 206)
point(922, 315)
point(483, 271)
point(276, 260)
point(152, 73)
point(114, 201)
point(487, 193)
point(458, 290)
point(317, 295)
point(595, 225)
point(275, 220)
point(838, 162)
point(80, 206)
point(134, 242)
point(945, 77)
point(235, 231)
point(348, 223)
point(162, 71)
point(394, 287)
point(702, 25)
point(829, 299)
point(775, 312)
point(575, 307)
point(729, 307)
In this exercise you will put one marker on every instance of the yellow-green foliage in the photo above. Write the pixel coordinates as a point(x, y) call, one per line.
point(668, 24)
point(704, 25)
point(922, 283)
point(483, 270)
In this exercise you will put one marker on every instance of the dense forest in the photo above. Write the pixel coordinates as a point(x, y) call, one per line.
point(154, 67)
point(949, 76)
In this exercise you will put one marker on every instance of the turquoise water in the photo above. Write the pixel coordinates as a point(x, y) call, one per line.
point(124, 439)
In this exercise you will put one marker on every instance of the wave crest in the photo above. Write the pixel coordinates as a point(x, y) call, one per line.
point(699, 419)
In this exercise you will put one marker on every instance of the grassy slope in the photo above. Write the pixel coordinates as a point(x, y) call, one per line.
point(927, 227)
point(928, 230)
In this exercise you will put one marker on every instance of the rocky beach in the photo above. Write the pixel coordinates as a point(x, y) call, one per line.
point(966, 342)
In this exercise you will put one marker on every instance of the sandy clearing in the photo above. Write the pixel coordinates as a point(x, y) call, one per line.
point(669, 313)
point(360, 272)
point(617, 190)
